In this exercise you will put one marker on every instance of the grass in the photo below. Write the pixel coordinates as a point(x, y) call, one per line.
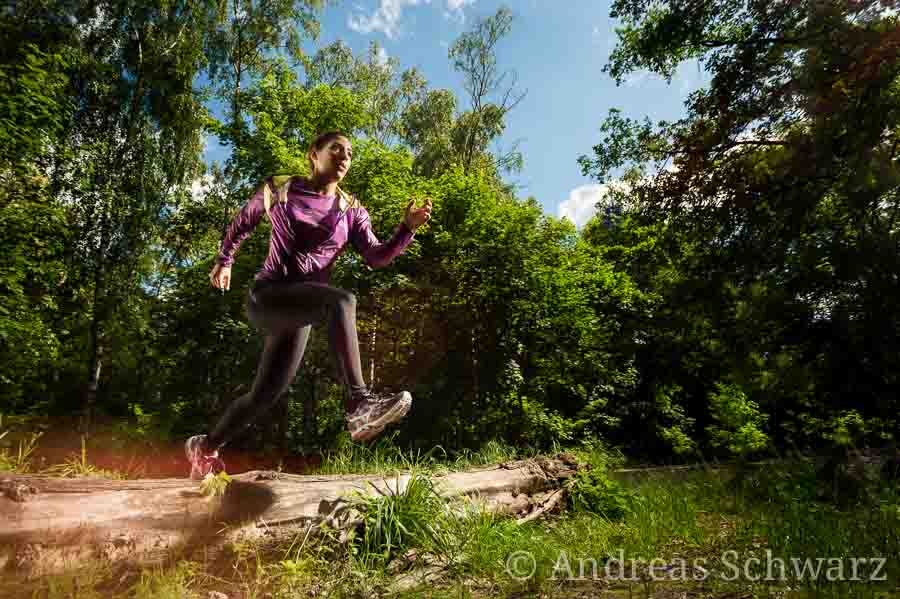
point(18, 460)
point(696, 520)
point(75, 466)
point(385, 457)
point(408, 530)
point(398, 519)
point(19, 440)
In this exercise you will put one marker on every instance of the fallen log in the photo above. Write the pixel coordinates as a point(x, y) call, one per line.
point(50, 525)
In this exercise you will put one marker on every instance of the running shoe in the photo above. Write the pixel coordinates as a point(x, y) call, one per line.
point(203, 461)
point(375, 412)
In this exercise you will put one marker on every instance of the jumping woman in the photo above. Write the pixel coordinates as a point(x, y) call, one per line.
point(312, 221)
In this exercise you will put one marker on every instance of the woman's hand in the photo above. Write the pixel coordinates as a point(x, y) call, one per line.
point(220, 277)
point(415, 217)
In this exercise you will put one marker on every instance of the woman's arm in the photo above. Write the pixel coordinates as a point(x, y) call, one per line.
point(242, 225)
point(374, 252)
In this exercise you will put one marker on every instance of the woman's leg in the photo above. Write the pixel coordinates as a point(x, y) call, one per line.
point(344, 343)
point(281, 304)
point(285, 312)
point(281, 357)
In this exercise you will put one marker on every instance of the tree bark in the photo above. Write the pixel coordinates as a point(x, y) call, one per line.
point(94, 353)
point(310, 408)
point(51, 525)
point(372, 352)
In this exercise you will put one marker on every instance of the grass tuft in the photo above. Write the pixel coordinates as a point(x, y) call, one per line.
point(76, 466)
point(18, 461)
point(395, 520)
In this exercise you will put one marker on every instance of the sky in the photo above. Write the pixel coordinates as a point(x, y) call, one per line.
point(557, 49)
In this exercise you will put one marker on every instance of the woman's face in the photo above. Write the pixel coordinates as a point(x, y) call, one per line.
point(333, 160)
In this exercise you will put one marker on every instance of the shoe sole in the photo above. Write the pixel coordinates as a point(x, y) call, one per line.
point(400, 409)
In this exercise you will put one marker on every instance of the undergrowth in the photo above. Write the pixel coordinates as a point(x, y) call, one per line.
point(412, 538)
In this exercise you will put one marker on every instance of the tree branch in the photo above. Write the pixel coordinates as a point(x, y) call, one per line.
point(753, 42)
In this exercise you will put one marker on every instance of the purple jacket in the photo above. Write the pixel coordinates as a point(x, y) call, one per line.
point(309, 232)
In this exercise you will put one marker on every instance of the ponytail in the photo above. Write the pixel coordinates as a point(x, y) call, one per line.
point(280, 183)
point(347, 200)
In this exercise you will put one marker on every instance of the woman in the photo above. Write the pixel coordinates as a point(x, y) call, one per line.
point(312, 221)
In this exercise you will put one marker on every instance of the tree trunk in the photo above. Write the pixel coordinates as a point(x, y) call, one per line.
point(51, 524)
point(310, 407)
point(278, 425)
point(372, 353)
point(94, 354)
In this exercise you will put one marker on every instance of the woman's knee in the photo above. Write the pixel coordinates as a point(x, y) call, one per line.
point(345, 300)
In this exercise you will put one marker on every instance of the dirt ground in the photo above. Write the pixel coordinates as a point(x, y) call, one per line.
point(147, 459)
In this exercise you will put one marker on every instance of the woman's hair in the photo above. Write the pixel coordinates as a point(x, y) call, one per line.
point(282, 182)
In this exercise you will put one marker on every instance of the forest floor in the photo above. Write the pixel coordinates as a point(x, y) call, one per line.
point(773, 532)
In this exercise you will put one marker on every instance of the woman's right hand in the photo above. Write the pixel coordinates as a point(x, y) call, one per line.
point(220, 277)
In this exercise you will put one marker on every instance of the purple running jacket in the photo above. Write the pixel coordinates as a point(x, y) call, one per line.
point(309, 232)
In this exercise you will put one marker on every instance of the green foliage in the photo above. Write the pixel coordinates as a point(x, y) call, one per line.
point(33, 107)
point(593, 491)
point(32, 274)
point(170, 583)
point(215, 485)
point(427, 127)
point(287, 117)
point(374, 82)
point(739, 422)
point(402, 517)
point(678, 428)
point(753, 249)
point(33, 113)
point(846, 430)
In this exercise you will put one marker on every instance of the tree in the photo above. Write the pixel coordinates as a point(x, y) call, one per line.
point(427, 128)
point(784, 184)
point(375, 82)
point(243, 35)
point(133, 138)
point(33, 112)
point(474, 55)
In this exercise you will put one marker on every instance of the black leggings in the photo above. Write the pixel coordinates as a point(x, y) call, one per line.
point(285, 313)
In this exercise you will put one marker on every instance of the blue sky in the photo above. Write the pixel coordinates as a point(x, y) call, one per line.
point(557, 49)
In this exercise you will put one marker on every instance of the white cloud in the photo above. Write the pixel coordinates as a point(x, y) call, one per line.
point(200, 187)
point(689, 73)
point(382, 56)
point(386, 18)
point(636, 78)
point(455, 8)
point(582, 203)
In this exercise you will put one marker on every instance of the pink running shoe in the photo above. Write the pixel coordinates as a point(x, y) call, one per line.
point(203, 462)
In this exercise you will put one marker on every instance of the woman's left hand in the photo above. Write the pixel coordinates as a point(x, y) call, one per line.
point(415, 217)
